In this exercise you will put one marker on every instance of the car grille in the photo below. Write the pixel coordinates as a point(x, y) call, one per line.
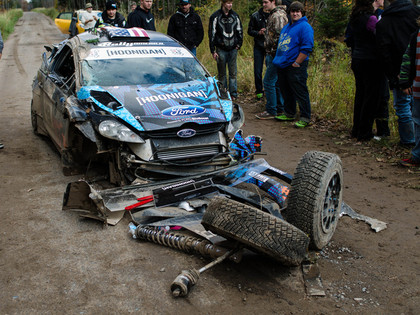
point(187, 153)
point(200, 130)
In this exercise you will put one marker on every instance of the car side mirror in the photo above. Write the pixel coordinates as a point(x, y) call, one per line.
point(44, 59)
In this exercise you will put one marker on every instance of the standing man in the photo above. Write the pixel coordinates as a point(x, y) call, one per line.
point(225, 37)
point(275, 23)
point(142, 16)
point(397, 23)
point(295, 44)
point(133, 6)
point(186, 26)
point(111, 16)
point(87, 18)
point(382, 113)
point(256, 29)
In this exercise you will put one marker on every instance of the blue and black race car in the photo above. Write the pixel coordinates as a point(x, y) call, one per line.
point(137, 101)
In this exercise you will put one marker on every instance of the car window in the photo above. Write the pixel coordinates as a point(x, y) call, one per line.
point(145, 70)
point(63, 67)
point(65, 16)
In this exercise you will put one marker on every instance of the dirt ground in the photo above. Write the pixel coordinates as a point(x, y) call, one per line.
point(54, 262)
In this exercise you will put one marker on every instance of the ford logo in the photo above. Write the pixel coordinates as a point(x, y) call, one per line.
point(180, 111)
point(186, 133)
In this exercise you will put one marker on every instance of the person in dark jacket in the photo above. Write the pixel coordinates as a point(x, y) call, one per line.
point(366, 68)
point(142, 16)
point(111, 16)
point(226, 37)
point(397, 23)
point(256, 29)
point(186, 26)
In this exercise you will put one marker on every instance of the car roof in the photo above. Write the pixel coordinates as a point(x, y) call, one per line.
point(110, 36)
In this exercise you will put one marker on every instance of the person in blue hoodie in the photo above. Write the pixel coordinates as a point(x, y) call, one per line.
point(295, 44)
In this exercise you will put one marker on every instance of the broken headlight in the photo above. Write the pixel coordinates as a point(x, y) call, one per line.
point(114, 130)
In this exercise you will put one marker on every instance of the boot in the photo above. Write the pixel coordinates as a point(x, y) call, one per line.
point(382, 128)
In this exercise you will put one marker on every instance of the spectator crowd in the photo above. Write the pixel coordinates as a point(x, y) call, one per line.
point(384, 46)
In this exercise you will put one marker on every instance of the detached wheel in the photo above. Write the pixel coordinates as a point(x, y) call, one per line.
point(256, 229)
point(315, 197)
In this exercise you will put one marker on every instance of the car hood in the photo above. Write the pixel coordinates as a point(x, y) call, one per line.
point(161, 106)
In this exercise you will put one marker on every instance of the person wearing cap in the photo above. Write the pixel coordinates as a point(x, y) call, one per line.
point(133, 6)
point(142, 16)
point(225, 38)
point(186, 26)
point(87, 18)
point(110, 16)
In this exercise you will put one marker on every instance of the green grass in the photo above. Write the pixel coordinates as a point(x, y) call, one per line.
point(8, 20)
point(50, 12)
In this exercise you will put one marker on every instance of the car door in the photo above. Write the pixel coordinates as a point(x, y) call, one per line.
point(58, 85)
point(63, 21)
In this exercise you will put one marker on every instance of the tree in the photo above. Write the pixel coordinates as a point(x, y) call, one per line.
point(333, 17)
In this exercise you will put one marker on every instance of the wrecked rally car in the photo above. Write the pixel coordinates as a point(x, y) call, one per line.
point(138, 103)
point(141, 105)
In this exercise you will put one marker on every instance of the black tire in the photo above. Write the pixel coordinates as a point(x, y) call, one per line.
point(256, 229)
point(315, 197)
point(34, 120)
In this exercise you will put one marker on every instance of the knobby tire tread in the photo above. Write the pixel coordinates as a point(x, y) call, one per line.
point(256, 229)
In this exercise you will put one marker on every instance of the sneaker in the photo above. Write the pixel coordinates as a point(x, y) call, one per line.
point(265, 115)
point(409, 162)
point(301, 124)
point(260, 96)
point(284, 117)
point(1, 146)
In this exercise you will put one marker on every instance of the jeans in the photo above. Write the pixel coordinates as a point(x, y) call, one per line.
point(270, 82)
point(259, 54)
point(415, 152)
point(402, 105)
point(293, 87)
point(228, 57)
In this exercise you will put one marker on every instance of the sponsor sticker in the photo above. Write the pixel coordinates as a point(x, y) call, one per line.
point(138, 52)
point(180, 111)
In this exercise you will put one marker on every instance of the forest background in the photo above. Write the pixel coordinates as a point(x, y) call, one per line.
point(331, 82)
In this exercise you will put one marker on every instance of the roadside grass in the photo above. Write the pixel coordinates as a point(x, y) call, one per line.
point(51, 12)
point(8, 20)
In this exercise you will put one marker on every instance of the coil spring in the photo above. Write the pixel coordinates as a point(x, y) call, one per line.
point(184, 243)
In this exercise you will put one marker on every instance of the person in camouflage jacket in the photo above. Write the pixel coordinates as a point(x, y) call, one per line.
point(275, 23)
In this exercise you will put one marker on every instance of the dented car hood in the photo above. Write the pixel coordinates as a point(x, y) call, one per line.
point(161, 106)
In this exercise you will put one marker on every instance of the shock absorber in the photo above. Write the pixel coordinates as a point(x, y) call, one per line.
point(187, 244)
